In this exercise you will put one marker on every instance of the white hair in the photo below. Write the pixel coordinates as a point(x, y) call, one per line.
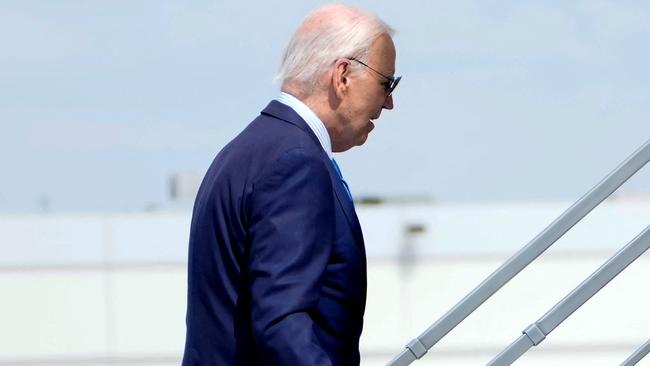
point(329, 33)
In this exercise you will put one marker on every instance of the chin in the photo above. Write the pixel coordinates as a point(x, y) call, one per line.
point(362, 140)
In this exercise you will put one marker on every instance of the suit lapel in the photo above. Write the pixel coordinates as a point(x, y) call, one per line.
point(281, 111)
point(348, 207)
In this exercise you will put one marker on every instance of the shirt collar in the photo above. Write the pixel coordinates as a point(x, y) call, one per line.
point(312, 120)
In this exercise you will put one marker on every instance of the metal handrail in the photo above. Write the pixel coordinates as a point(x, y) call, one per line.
point(419, 346)
point(537, 332)
point(637, 355)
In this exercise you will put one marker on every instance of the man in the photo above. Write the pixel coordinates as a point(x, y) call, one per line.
point(277, 267)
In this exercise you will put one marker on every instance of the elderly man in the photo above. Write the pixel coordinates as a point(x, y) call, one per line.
point(277, 267)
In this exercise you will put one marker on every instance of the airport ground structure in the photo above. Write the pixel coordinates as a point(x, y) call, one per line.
point(110, 288)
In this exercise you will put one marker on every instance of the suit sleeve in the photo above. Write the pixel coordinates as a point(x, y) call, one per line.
point(291, 232)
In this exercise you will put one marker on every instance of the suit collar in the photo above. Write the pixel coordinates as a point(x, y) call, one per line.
point(283, 112)
point(313, 121)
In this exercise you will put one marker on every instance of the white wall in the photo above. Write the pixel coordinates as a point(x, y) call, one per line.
point(95, 289)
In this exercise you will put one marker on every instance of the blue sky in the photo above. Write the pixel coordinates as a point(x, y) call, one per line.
point(101, 101)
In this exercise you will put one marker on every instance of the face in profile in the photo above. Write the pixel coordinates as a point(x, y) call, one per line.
point(368, 94)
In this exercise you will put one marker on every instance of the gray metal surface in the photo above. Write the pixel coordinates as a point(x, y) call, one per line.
point(637, 355)
point(524, 256)
point(576, 298)
point(513, 352)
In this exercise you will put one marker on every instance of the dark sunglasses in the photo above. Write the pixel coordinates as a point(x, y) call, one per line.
point(391, 82)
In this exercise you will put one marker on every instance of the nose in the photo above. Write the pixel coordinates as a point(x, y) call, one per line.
point(388, 102)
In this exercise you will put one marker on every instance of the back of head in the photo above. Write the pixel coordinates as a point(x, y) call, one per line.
point(327, 34)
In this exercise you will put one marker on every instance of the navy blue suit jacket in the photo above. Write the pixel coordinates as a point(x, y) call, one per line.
point(277, 266)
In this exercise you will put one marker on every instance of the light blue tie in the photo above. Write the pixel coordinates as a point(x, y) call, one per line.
point(338, 171)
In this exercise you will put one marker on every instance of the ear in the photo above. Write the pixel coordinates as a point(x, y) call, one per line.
point(341, 77)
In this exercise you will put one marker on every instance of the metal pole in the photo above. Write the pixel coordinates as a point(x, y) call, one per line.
point(420, 345)
point(537, 332)
point(637, 355)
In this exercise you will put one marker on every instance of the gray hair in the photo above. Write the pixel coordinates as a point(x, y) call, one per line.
point(327, 34)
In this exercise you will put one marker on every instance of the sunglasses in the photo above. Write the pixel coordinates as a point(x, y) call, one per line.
point(391, 82)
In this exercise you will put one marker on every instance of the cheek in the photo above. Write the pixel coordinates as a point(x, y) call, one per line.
point(354, 112)
point(376, 101)
point(366, 107)
point(363, 107)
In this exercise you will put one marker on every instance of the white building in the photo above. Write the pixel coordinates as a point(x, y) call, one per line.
point(109, 288)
